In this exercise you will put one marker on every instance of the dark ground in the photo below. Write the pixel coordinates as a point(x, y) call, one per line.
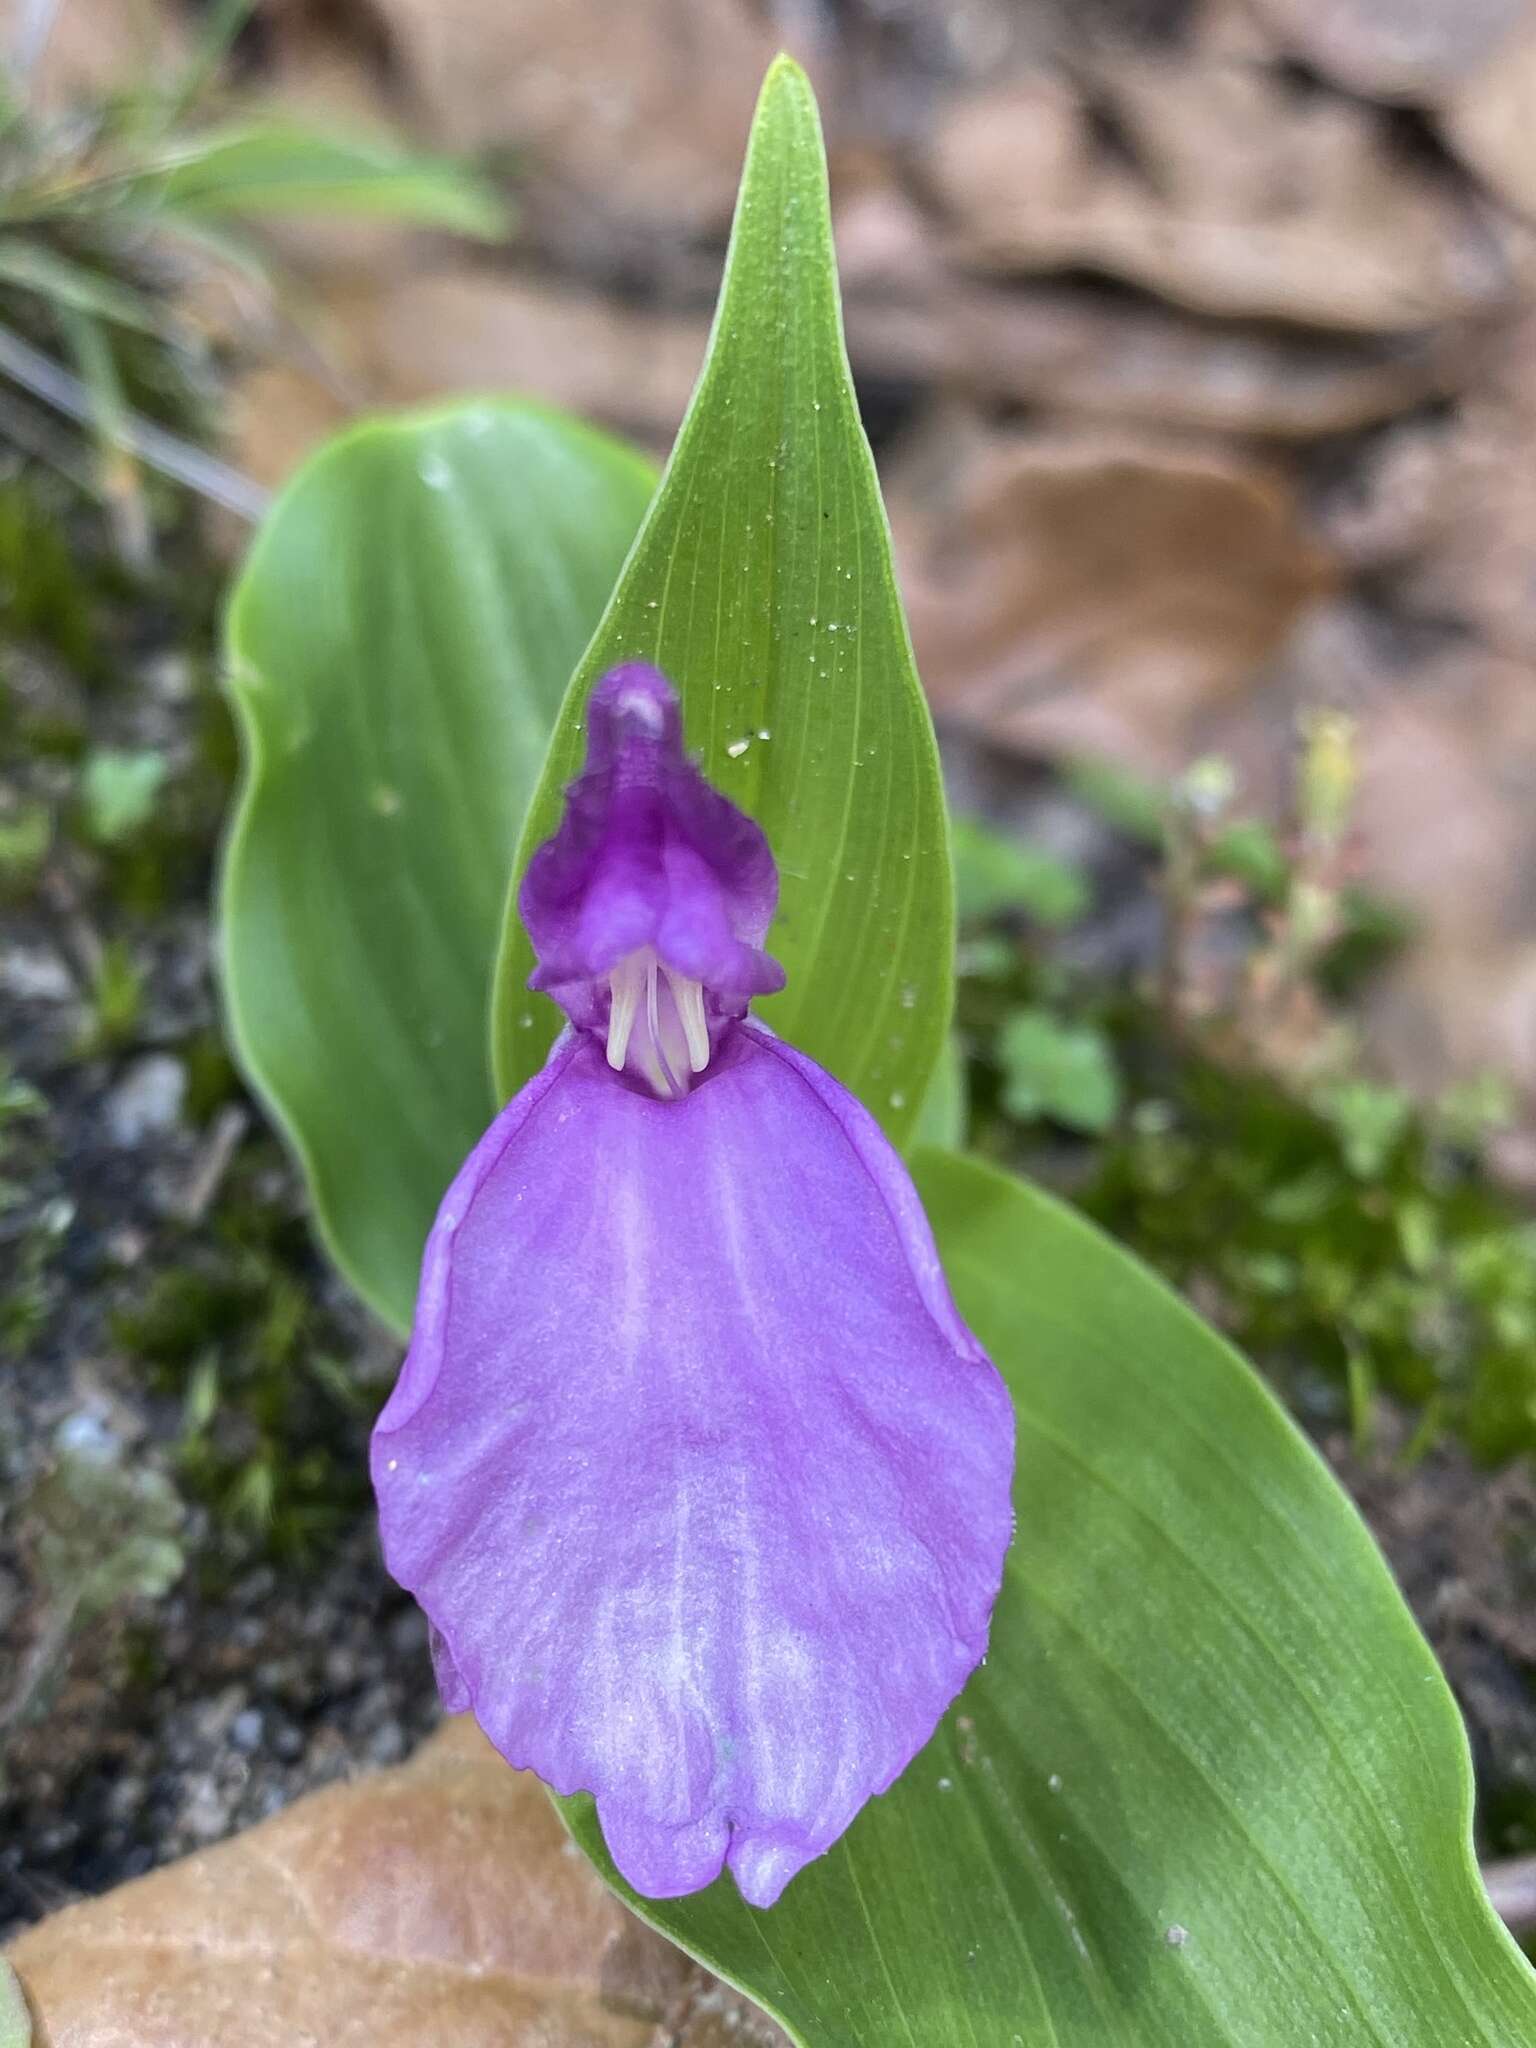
point(142, 1193)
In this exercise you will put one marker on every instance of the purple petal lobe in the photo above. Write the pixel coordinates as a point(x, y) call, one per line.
point(655, 886)
point(699, 1477)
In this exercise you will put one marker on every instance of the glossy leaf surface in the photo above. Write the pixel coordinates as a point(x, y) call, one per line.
point(399, 642)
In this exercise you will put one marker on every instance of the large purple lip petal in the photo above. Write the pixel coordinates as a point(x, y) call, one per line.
point(700, 1479)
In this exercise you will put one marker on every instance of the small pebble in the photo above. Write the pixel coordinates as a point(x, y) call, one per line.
point(125, 1798)
point(33, 974)
point(146, 1101)
point(246, 1730)
point(288, 1742)
point(408, 1633)
point(205, 1813)
point(386, 1745)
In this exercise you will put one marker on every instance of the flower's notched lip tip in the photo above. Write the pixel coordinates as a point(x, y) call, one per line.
point(738, 1845)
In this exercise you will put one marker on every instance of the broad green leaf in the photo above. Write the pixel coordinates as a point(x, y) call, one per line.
point(398, 646)
point(944, 1114)
point(1209, 1789)
point(761, 583)
point(15, 2020)
point(270, 167)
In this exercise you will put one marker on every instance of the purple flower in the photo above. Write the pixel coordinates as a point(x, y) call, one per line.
point(700, 1479)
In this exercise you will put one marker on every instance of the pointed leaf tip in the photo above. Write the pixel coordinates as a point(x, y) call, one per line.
point(762, 585)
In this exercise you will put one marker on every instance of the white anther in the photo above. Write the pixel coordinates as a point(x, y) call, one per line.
point(625, 984)
point(662, 1037)
point(689, 998)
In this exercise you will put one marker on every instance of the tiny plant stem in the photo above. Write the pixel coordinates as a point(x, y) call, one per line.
point(117, 465)
point(225, 20)
point(41, 1658)
point(1180, 873)
point(173, 457)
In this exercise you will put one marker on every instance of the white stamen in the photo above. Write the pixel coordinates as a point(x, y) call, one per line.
point(689, 998)
point(669, 1037)
point(625, 1000)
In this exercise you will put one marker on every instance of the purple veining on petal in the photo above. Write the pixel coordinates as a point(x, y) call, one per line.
point(651, 870)
point(701, 1480)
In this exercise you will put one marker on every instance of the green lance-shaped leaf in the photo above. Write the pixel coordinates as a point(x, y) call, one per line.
point(35, 268)
point(274, 167)
point(398, 646)
point(1209, 1789)
point(761, 583)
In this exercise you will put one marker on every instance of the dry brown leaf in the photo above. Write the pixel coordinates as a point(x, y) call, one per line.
point(1244, 198)
point(641, 111)
point(886, 240)
point(1104, 593)
point(1071, 352)
point(401, 340)
point(275, 414)
point(1385, 506)
point(1491, 122)
point(1392, 49)
point(912, 316)
point(1445, 821)
point(623, 366)
point(439, 1902)
point(321, 72)
point(97, 46)
point(1477, 561)
point(1461, 751)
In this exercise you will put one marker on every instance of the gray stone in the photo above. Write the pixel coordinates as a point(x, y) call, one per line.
point(147, 1100)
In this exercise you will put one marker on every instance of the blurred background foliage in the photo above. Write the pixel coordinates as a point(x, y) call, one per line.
point(1194, 338)
point(120, 215)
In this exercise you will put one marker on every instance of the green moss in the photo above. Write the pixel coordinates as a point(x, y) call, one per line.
point(211, 1077)
point(45, 594)
point(272, 1425)
point(26, 832)
point(116, 999)
point(1351, 1240)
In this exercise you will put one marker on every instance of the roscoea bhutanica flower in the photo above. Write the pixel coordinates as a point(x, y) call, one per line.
point(700, 1479)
